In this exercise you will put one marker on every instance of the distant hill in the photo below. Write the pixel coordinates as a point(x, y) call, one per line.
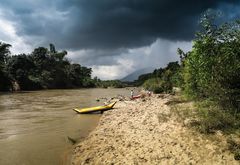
point(134, 76)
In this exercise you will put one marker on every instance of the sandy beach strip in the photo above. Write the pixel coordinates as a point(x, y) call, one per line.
point(145, 131)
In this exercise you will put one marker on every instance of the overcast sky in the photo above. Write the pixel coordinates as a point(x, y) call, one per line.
point(114, 37)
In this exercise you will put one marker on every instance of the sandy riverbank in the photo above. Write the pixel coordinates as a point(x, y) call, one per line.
point(147, 132)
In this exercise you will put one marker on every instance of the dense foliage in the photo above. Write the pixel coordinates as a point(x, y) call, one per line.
point(212, 68)
point(4, 80)
point(42, 69)
point(109, 83)
point(209, 73)
point(162, 79)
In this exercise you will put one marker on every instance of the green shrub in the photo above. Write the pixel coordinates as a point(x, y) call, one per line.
point(213, 117)
point(237, 154)
point(110, 83)
point(157, 85)
point(162, 79)
point(212, 68)
point(234, 147)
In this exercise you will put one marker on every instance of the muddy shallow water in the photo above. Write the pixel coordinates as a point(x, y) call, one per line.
point(34, 126)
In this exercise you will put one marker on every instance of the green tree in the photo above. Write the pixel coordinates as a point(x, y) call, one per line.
point(42, 68)
point(162, 79)
point(20, 68)
point(5, 83)
point(212, 68)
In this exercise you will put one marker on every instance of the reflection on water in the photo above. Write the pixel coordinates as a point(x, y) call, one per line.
point(34, 125)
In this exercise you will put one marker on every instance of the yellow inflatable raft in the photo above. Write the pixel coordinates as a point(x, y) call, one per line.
point(95, 109)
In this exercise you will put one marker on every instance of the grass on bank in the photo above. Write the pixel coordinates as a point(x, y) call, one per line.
point(208, 118)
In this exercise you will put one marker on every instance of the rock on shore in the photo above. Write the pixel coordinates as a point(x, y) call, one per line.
point(147, 132)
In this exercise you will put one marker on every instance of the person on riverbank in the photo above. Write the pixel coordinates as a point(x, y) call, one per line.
point(131, 93)
point(149, 93)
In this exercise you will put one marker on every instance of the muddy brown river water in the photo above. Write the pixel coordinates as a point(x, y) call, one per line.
point(34, 126)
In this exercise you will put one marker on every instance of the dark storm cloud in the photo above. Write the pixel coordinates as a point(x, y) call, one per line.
point(97, 57)
point(108, 24)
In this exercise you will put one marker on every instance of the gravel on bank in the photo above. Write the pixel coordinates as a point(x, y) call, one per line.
point(145, 131)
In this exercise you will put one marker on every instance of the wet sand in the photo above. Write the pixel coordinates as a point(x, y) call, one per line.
point(148, 132)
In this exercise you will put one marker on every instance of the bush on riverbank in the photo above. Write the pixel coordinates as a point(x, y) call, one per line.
point(213, 117)
point(162, 79)
point(208, 117)
point(157, 85)
point(212, 69)
point(209, 74)
point(109, 83)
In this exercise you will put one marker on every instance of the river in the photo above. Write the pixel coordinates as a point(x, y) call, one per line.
point(34, 126)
